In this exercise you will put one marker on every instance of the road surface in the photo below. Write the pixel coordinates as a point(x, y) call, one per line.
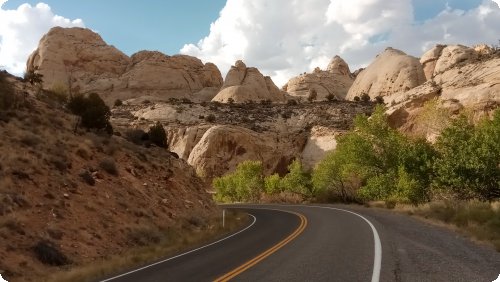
point(329, 243)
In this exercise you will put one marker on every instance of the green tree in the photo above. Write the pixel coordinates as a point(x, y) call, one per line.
point(272, 184)
point(245, 184)
point(376, 162)
point(468, 163)
point(298, 181)
point(157, 135)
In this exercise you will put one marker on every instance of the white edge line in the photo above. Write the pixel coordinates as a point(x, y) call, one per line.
point(377, 260)
point(183, 254)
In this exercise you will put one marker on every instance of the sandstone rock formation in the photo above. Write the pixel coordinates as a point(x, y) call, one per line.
point(275, 134)
point(222, 148)
point(80, 61)
point(459, 78)
point(244, 84)
point(392, 71)
point(336, 80)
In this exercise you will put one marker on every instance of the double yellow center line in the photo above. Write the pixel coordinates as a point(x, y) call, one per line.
point(237, 271)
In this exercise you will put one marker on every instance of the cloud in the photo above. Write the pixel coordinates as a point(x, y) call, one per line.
point(21, 29)
point(284, 38)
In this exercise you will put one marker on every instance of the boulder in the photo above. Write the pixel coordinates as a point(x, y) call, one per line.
point(392, 71)
point(244, 84)
point(336, 80)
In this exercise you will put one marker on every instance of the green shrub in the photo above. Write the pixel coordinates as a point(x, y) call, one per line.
point(94, 113)
point(157, 135)
point(468, 163)
point(243, 185)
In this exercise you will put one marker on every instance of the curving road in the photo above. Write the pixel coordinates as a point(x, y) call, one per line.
point(328, 243)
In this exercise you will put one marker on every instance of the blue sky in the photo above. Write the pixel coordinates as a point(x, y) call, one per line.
point(132, 26)
point(282, 38)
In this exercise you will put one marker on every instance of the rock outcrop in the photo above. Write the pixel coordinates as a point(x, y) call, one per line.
point(80, 61)
point(459, 78)
point(336, 80)
point(392, 71)
point(222, 148)
point(244, 84)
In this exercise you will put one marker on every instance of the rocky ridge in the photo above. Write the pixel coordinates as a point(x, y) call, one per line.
point(79, 61)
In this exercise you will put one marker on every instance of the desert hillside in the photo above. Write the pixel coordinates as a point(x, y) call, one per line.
point(76, 197)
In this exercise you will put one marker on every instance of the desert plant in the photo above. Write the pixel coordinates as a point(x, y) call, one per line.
point(136, 136)
point(32, 77)
point(47, 253)
point(157, 135)
point(292, 102)
point(230, 101)
point(118, 102)
point(356, 99)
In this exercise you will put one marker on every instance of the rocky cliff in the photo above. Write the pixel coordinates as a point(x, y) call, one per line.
point(80, 61)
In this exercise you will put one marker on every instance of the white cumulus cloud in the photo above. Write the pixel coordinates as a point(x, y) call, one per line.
point(22, 28)
point(284, 38)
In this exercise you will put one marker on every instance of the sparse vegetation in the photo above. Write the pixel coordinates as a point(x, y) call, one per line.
point(118, 103)
point(356, 99)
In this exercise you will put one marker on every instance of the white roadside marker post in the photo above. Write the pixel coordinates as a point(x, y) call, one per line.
point(223, 218)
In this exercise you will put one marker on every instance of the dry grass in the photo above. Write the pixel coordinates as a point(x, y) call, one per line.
point(154, 245)
point(479, 220)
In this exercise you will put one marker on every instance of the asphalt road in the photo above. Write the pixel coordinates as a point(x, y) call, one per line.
point(330, 243)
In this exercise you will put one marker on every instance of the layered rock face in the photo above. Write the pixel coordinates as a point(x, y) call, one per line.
point(80, 61)
point(336, 80)
point(244, 84)
point(275, 134)
point(392, 71)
